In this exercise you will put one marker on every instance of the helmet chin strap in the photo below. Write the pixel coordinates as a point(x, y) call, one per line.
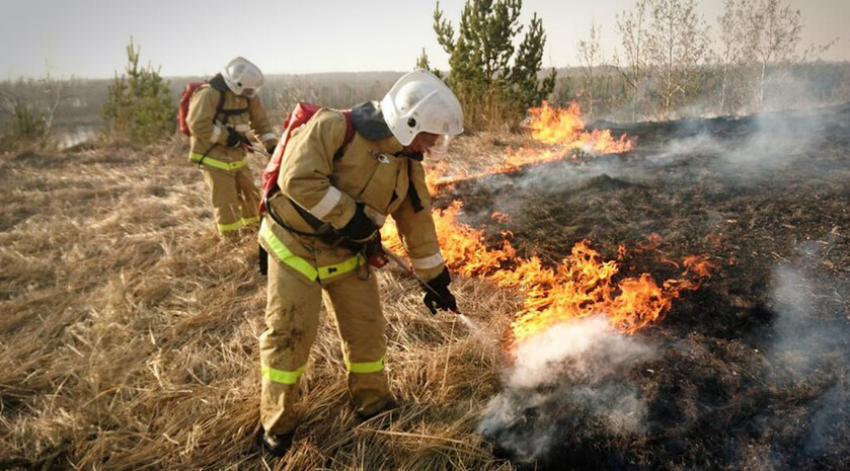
point(417, 156)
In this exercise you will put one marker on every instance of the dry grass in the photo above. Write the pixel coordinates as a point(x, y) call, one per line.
point(128, 335)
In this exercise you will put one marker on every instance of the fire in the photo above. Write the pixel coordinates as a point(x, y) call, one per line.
point(583, 284)
point(567, 128)
point(463, 247)
point(563, 128)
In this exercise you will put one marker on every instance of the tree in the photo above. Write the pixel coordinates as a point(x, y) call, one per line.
point(31, 109)
point(422, 62)
point(24, 128)
point(677, 45)
point(732, 56)
point(762, 43)
point(631, 25)
point(589, 59)
point(773, 34)
point(491, 77)
point(139, 107)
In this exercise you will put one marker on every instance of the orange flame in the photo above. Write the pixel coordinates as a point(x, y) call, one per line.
point(566, 127)
point(582, 285)
point(563, 128)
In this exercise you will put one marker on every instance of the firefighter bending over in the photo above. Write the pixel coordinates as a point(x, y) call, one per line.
point(221, 112)
point(335, 193)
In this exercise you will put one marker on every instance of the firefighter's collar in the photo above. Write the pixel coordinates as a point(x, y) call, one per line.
point(368, 121)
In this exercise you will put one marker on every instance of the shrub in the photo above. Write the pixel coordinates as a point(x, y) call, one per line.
point(24, 129)
point(138, 106)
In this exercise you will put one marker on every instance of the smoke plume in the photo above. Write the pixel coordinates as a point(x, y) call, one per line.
point(571, 380)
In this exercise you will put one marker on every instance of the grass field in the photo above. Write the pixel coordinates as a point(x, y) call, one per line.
point(128, 330)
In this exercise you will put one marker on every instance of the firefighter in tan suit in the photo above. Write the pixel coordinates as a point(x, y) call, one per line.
point(221, 112)
point(332, 201)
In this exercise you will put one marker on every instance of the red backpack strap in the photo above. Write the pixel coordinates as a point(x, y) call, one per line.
point(349, 134)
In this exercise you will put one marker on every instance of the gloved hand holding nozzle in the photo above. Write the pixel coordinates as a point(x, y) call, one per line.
point(236, 138)
point(437, 294)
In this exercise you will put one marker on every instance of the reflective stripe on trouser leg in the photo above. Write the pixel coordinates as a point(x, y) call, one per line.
point(225, 200)
point(249, 196)
point(356, 308)
point(292, 317)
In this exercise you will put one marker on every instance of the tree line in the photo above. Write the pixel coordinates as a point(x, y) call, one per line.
point(669, 62)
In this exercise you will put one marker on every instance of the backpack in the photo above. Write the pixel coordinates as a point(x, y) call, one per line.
point(186, 98)
point(183, 109)
point(301, 114)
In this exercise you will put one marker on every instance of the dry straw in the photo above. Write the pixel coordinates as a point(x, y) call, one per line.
point(128, 335)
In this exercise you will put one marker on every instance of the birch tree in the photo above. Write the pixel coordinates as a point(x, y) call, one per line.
point(589, 57)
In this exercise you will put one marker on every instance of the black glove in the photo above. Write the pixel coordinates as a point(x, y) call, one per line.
point(437, 294)
point(235, 138)
point(375, 254)
point(360, 229)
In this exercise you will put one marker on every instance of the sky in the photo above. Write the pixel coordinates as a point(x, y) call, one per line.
point(87, 38)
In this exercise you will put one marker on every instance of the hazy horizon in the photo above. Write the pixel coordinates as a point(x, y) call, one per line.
point(87, 39)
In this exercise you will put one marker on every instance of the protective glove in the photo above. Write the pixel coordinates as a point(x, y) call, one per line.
point(437, 294)
point(360, 229)
point(375, 254)
point(235, 138)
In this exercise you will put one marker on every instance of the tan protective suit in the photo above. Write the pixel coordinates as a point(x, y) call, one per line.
point(302, 268)
point(234, 195)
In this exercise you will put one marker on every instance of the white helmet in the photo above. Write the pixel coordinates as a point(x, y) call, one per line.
point(242, 76)
point(421, 102)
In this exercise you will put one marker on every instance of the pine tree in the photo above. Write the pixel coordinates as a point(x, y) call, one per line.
point(24, 128)
point(138, 106)
point(495, 81)
point(422, 62)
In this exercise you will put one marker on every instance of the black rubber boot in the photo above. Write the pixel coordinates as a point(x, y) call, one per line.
point(277, 445)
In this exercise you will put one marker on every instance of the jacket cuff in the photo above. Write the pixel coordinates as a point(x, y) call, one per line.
point(219, 135)
point(346, 215)
point(430, 274)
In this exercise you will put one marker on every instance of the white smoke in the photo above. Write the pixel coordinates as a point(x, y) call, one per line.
point(583, 351)
point(570, 380)
point(726, 150)
point(754, 145)
point(809, 346)
point(803, 342)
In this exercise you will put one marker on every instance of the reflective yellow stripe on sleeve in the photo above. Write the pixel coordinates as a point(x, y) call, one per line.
point(303, 266)
point(210, 162)
point(366, 367)
point(282, 376)
point(249, 221)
